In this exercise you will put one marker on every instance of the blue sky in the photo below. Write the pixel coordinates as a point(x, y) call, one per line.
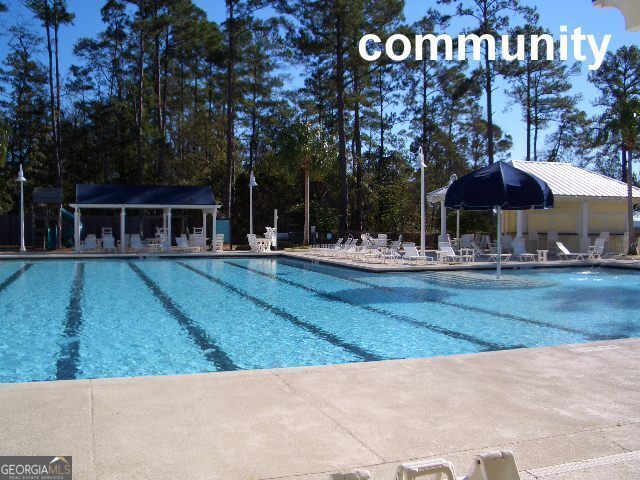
point(553, 13)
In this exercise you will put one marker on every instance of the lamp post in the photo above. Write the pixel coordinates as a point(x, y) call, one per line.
point(21, 181)
point(252, 183)
point(452, 179)
point(420, 163)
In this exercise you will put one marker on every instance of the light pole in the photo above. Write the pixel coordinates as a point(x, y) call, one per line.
point(453, 178)
point(21, 181)
point(252, 183)
point(423, 227)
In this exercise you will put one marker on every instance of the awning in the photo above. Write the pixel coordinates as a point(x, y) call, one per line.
point(118, 196)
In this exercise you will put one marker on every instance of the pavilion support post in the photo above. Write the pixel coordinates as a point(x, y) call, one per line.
point(499, 244)
point(584, 234)
point(204, 230)
point(169, 237)
point(214, 229)
point(164, 219)
point(76, 230)
point(443, 222)
point(123, 235)
point(519, 224)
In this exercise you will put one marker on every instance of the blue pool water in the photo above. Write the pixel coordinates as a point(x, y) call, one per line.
point(115, 318)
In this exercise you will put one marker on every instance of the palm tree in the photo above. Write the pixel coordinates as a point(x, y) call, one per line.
point(628, 113)
point(305, 147)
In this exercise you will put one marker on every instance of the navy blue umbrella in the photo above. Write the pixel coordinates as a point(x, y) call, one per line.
point(499, 186)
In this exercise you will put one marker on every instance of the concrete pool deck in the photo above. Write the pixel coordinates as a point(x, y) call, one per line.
point(371, 267)
point(551, 406)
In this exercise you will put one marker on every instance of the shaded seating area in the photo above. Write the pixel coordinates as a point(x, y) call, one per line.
point(587, 206)
point(167, 199)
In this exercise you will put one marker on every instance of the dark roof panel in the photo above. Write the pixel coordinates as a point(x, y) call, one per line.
point(47, 195)
point(88, 194)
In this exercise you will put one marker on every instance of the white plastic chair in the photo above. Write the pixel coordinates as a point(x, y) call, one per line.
point(90, 243)
point(494, 466)
point(135, 242)
point(565, 254)
point(438, 469)
point(466, 240)
point(446, 254)
point(219, 247)
point(507, 243)
point(108, 243)
point(520, 252)
point(597, 250)
point(411, 253)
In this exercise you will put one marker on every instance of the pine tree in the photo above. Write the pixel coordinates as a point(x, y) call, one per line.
point(492, 17)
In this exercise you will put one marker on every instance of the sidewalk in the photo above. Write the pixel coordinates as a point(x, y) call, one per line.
point(550, 405)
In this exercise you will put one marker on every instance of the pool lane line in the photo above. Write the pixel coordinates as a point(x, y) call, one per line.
point(294, 320)
point(15, 276)
point(488, 346)
point(211, 350)
point(486, 311)
point(67, 363)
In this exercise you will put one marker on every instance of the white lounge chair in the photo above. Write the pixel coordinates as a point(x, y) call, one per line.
point(446, 254)
point(520, 252)
point(411, 253)
point(487, 466)
point(597, 250)
point(438, 469)
point(108, 243)
point(486, 243)
point(253, 242)
point(565, 254)
point(507, 243)
point(479, 253)
point(182, 245)
point(348, 249)
point(494, 466)
point(325, 250)
point(466, 240)
point(90, 244)
point(196, 239)
point(135, 242)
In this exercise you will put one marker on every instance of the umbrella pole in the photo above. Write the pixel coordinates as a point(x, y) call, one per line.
point(499, 245)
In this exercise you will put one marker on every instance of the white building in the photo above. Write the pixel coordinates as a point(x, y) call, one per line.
point(586, 204)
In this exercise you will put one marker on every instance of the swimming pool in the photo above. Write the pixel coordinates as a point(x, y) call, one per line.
point(115, 318)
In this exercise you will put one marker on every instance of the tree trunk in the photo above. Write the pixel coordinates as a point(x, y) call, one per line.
point(58, 139)
point(140, 99)
point(529, 111)
point(624, 164)
point(307, 214)
point(630, 227)
point(230, 112)
point(489, 87)
point(158, 93)
point(535, 128)
point(52, 100)
point(342, 155)
point(254, 123)
point(357, 139)
point(381, 95)
point(163, 107)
